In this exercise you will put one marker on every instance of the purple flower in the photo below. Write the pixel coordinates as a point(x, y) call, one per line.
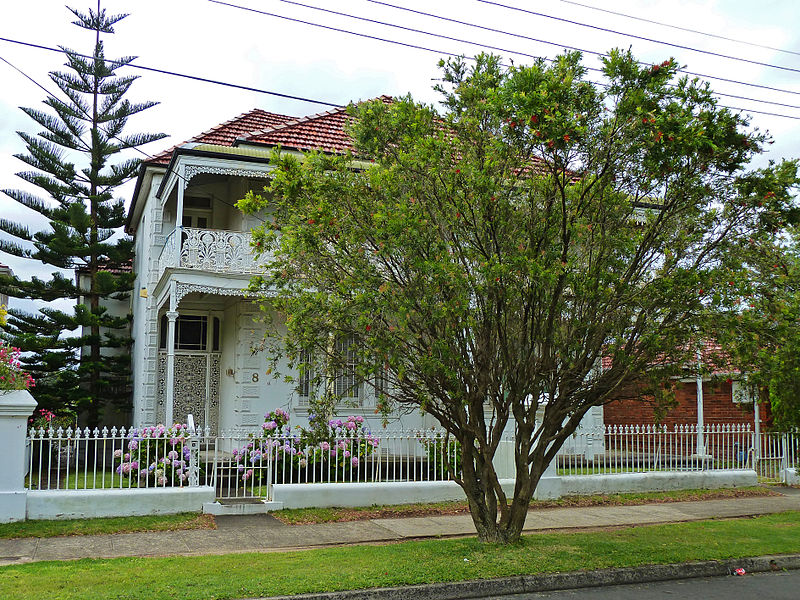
point(354, 461)
point(133, 445)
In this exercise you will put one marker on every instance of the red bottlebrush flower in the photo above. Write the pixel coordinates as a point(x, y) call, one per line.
point(311, 221)
point(550, 144)
point(369, 327)
point(534, 119)
point(566, 138)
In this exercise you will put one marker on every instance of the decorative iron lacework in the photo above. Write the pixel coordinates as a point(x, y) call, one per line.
point(181, 289)
point(190, 171)
point(218, 251)
point(197, 377)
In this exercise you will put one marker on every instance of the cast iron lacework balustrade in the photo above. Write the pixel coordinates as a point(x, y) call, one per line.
point(212, 250)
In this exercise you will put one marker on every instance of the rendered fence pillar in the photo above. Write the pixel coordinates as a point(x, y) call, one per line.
point(15, 408)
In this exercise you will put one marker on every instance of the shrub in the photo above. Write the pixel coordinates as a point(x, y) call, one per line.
point(155, 456)
point(12, 377)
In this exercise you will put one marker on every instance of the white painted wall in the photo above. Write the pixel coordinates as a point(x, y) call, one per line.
point(89, 504)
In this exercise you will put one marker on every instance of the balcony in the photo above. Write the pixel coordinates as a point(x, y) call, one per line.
point(211, 251)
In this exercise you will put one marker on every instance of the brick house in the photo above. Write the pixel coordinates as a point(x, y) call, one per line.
point(724, 400)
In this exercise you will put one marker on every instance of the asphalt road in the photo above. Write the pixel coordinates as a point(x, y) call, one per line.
point(760, 586)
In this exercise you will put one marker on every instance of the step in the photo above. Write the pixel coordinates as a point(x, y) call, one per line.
point(244, 506)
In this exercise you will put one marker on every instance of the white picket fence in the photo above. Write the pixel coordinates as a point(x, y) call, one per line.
point(243, 465)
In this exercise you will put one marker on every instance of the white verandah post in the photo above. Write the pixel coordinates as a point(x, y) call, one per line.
point(179, 216)
point(169, 396)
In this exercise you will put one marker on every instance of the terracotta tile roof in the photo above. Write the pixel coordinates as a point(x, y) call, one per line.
point(226, 133)
point(712, 355)
point(322, 131)
point(116, 269)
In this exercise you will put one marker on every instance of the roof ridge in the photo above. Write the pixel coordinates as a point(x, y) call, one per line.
point(298, 121)
point(307, 118)
point(215, 128)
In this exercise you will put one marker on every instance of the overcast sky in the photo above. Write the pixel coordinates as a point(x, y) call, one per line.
point(203, 38)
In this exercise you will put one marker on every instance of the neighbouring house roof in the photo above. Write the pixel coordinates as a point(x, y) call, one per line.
point(116, 269)
point(712, 356)
point(226, 133)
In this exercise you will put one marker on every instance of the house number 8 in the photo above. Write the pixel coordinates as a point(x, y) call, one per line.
point(255, 377)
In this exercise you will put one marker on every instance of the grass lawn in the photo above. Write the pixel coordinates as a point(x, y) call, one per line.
point(303, 516)
point(110, 525)
point(354, 567)
point(82, 480)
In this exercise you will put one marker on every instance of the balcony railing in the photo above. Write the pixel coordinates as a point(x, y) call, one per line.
point(211, 250)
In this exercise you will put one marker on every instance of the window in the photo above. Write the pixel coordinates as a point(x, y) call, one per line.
point(191, 333)
point(742, 393)
point(381, 380)
point(196, 212)
point(345, 384)
point(305, 378)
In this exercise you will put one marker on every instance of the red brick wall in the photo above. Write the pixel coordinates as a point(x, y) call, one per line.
point(718, 407)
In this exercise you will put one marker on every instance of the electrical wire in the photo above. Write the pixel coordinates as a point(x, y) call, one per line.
point(409, 45)
point(525, 37)
point(440, 52)
point(87, 115)
point(678, 28)
point(176, 74)
point(639, 37)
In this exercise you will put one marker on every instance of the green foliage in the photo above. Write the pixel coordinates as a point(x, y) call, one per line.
point(763, 336)
point(487, 256)
point(76, 161)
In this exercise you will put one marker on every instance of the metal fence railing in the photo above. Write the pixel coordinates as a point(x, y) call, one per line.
point(244, 465)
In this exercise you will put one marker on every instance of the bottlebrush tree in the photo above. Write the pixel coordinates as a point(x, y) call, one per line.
point(480, 260)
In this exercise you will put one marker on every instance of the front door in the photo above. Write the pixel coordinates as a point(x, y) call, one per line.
point(197, 371)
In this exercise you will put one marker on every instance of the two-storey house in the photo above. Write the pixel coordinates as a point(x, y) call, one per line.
point(194, 327)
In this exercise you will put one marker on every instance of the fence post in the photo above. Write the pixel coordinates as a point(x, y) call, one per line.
point(194, 452)
point(15, 408)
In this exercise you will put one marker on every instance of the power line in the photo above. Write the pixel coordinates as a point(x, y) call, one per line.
point(676, 27)
point(176, 74)
point(427, 49)
point(525, 37)
point(87, 115)
point(639, 37)
point(409, 45)
point(358, 34)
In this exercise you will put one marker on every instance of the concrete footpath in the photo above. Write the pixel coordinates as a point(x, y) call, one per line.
point(263, 533)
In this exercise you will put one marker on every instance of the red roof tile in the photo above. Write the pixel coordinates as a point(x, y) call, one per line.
point(108, 266)
point(712, 356)
point(322, 131)
point(226, 133)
